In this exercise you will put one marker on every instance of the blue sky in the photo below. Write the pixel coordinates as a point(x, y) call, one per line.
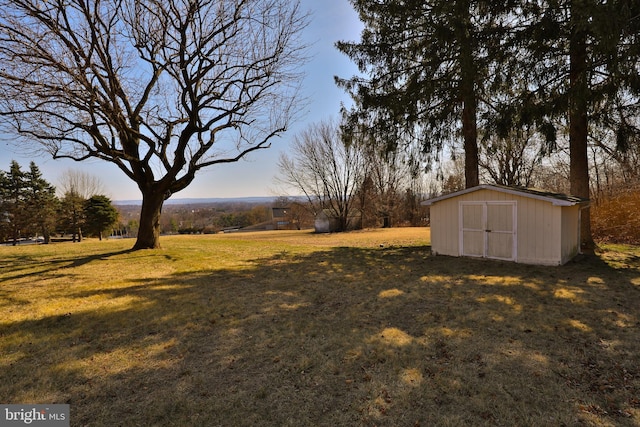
point(331, 20)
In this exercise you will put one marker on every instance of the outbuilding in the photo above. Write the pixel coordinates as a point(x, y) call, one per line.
point(325, 222)
point(524, 225)
point(328, 222)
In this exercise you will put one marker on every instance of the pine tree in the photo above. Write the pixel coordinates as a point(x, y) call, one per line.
point(429, 66)
point(40, 203)
point(582, 63)
point(13, 197)
point(71, 214)
point(99, 214)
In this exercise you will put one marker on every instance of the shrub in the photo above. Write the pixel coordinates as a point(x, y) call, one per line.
point(616, 218)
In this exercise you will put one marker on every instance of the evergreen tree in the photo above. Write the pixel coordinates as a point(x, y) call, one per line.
point(582, 68)
point(429, 66)
point(71, 214)
point(41, 203)
point(4, 213)
point(100, 215)
point(13, 197)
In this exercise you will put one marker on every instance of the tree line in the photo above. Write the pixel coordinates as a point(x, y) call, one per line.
point(212, 218)
point(346, 178)
point(30, 208)
point(351, 182)
point(522, 79)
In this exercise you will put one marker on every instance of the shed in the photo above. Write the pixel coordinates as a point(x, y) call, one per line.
point(324, 222)
point(327, 221)
point(524, 225)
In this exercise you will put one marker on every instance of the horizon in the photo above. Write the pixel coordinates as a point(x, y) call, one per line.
point(194, 200)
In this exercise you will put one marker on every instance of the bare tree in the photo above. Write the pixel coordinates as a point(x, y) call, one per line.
point(386, 177)
point(326, 169)
point(513, 160)
point(81, 183)
point(160, 88)
point(615, 163)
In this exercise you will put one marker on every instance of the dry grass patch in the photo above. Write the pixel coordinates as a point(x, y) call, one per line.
point(293, 328)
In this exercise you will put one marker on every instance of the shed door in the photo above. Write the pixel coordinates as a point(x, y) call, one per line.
point(473, 229)
point(488, 229)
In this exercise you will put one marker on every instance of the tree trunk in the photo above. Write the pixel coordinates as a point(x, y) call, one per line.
point(16, 233)
point(469, 102)
point(149, 228)
point(46, 235)
point(578, 122)
point(470, 132)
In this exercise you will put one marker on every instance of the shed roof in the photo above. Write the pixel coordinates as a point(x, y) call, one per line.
point(556, 199)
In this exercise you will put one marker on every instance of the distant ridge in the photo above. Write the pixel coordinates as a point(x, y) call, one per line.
point(202, 201)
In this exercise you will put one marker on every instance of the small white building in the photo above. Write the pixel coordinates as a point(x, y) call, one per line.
point(524, 225)
point(328, 222)
point(324, 222)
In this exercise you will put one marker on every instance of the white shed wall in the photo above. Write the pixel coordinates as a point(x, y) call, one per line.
point(540, 231)
point(570, 232)
point(545, 234)
point(444, 236)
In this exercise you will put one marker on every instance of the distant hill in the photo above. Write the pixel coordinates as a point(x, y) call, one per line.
point(205, 201)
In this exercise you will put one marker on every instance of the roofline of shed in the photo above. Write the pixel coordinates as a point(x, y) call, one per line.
point(523, 192)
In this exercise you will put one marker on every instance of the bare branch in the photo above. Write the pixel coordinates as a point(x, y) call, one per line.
point(159, 88)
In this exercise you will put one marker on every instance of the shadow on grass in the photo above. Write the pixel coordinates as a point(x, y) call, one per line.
point(347, 336)
point(15, 267)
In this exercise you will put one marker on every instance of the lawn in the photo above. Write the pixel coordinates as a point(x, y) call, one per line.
point(297, 329)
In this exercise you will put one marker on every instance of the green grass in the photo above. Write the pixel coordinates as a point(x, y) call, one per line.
point(293, 329)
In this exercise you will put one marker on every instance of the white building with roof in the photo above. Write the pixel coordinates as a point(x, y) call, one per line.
point(524, 225)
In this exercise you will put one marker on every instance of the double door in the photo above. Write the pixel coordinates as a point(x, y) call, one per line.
point(488, 229)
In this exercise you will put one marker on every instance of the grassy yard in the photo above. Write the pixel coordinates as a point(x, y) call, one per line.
point(296, 329)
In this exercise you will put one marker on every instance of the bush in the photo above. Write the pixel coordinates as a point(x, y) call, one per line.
point(616, 219)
